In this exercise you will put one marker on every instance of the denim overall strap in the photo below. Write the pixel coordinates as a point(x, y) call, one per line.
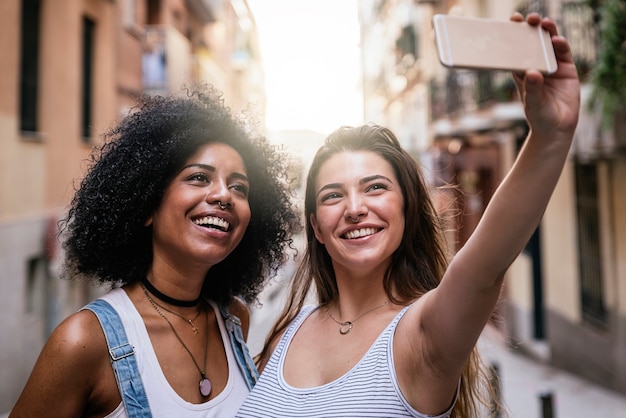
point(242, 354)
point(122, 359)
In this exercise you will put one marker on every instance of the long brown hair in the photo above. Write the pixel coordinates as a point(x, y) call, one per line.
point(417, 265)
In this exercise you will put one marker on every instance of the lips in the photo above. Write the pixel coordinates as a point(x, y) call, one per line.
point(213, 222)
point(360, 233)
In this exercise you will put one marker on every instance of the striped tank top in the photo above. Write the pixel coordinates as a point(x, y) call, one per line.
point(369, 389)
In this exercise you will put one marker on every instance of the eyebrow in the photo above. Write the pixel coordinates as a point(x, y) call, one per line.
point(364, 180)
point(212, 169)
point(374, 177)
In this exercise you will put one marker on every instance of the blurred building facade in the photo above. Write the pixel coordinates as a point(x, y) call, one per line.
point(565, 295)
point(69, 70)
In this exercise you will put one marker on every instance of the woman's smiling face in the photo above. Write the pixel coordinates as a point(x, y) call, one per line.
point(359, 213)
point(189, 226)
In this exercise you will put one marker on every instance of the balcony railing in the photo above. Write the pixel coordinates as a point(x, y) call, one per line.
point(468, 90)
point(580, 24)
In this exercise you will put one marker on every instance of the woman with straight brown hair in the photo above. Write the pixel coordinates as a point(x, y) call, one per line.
point(396, 324)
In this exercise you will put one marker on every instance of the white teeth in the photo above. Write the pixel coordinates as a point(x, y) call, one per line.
point(359, 233)
point(213, 221)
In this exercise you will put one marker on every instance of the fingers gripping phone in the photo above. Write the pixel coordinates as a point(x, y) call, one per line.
point(487, 44)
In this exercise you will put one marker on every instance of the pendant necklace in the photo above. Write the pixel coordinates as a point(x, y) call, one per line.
point(205, 383)
point(346, 326)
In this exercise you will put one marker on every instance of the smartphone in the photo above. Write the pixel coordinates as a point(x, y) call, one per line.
point(488, 44)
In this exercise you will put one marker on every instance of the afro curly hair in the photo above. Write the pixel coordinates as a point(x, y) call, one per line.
point(105, 237)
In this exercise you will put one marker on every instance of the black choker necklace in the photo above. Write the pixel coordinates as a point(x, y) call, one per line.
point(169, 299)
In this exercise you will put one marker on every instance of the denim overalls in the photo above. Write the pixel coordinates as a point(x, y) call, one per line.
point(125, 365)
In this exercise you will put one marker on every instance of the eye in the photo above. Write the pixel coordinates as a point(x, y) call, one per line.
point(240, 188)
point(377, 186)
point(198, 177)
point(330, 196)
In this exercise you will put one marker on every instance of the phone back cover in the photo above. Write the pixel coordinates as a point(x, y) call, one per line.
point(492, 44)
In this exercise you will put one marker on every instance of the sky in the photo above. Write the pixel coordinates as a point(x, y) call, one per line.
point(310, 54)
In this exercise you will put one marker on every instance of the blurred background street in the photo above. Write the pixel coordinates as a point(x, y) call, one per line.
point(302, 68)
point(525, 380)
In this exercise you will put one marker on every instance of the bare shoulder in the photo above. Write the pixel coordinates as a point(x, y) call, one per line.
point(78, 340)
point(75, 356)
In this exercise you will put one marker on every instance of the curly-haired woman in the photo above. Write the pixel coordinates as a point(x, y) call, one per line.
point(183, 212)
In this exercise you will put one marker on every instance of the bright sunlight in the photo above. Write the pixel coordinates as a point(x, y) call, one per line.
point(310, 53)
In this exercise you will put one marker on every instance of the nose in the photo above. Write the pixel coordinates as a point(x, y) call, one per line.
point(356, 208)
point(219, 193)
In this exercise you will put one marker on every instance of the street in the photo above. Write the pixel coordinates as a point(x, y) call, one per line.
point(524, 380)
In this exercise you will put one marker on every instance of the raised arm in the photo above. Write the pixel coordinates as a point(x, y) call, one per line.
point(453, 316)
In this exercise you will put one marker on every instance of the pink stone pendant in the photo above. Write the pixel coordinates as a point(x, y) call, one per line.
point(205, 387)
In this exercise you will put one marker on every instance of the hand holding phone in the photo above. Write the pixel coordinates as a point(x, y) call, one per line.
point(493, 44)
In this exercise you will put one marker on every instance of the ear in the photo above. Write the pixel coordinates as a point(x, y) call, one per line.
point(148, 221)
point(315, 227)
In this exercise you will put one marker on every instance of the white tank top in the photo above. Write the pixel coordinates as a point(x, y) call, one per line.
point(164, 401)
point(369, 389)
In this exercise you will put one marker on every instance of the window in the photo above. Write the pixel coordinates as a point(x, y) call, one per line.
point(589, 252)
point(87, 91)
point(406, 44)
point(153, 12)
point(29, 64)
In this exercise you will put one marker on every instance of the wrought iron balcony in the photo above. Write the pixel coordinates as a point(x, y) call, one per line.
point(469, 90)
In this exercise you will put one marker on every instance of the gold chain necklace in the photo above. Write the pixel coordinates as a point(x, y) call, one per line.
point(205, 383)
point(346, 326)
point(189, 321)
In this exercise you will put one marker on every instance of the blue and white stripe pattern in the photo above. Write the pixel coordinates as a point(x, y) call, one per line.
point(369, 389)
